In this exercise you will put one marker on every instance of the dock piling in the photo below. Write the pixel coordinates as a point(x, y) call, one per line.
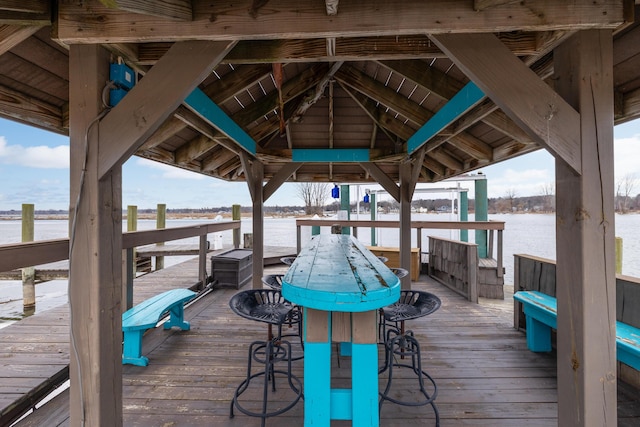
point(28, 273)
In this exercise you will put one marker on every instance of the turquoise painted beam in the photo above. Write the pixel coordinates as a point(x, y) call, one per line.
point(466, 98)
point(200, 103)
point(324, 155)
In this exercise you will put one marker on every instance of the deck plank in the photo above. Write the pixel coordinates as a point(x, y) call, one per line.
point(485, 373)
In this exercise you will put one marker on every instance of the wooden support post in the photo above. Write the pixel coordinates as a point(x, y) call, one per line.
point(28, 273)
point(258, 223)
point(236, 216)
point(95, 240)
point(406, 194)
point(161, 222)
point(585, 245)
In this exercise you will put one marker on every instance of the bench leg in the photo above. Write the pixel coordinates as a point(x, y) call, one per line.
point(538, 335)
point(177, 318)
point(132, 349)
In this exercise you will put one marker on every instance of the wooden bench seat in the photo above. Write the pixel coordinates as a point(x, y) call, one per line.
point(147, 314)
point(540, 311)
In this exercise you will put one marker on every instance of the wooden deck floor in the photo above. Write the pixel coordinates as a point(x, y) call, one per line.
point(485, 374)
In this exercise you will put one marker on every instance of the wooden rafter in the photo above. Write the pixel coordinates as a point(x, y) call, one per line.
point(197, 147)
point(218, 157)
point(164, 132)
point(13, 35)
point(136, 117)
point(541, 112)
point(25, 13)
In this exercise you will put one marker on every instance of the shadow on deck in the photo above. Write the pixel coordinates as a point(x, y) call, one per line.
point(485, 374)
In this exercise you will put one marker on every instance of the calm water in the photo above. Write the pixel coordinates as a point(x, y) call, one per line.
point(524, 234)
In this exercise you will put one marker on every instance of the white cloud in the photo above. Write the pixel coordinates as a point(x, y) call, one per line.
point(40, 156)
point(626, 156)
point(170, 172)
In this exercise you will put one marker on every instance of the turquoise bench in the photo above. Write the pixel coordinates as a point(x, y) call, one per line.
point(147, 314)
point(540, 311)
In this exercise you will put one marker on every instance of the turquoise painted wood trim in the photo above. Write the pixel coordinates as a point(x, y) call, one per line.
point(336, 272)
point(203, 105)
point(337, 155)
point(341, 401)
point(364, 383)
point(317, 384)
point(466, 98)
point(345, 349)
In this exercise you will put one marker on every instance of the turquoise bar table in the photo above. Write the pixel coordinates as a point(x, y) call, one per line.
point(341, 285)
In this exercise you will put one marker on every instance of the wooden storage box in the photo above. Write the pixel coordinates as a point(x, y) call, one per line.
point(394, 258)
point(232, 268)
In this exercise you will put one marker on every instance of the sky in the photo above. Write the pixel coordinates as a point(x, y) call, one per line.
point(34, 168)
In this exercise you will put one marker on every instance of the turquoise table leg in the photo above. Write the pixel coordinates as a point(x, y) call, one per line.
point(364, 383)
point(317, 384)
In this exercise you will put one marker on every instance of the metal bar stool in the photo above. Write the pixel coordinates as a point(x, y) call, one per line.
point(274, 281)
point(401, 344)
point(267, 306)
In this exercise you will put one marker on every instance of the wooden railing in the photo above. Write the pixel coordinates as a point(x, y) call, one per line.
point(491, 226)
point(20, 255)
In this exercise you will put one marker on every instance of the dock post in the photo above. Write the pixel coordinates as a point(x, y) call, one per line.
point(345, 205)
point(161, 222)
point(463, 209)
point(373, 208)
point(618, 255)
point(482, 214)
point(132, 225)
point(235, 215)
point(28, 273)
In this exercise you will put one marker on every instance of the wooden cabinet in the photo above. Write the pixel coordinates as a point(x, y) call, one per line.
point(394, 258)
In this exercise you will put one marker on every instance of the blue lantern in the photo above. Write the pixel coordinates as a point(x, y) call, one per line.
point(335, 192)
point(366, 198)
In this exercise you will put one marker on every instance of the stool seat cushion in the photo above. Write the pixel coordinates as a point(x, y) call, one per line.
point(262, 305)
point(411, 305)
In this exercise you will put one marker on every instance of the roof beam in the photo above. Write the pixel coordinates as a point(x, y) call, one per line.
point(473, 146)
point(198, 146)
point(346, 49)
point(148, 104)
point(219, 157)
point(169, 128)
point(537, 109)
point(354, 78)
point(179, 10)
point(324, 155)
point(91, 22)
point(244, 76)
point(279, 178)
point(17, 106)
point(203, 106)
point(468, 97)
point(13, 35)
point(383, 179)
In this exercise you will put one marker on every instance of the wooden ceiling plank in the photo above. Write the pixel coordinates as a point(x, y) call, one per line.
point(503, 123)
point(179, 10)
point(383, 179)
point(26, 12)
point(293, 87)
point(169, 128)
point(434, 166)
point(318, 93)
point(279, 178)
point(630, 106)
point(447, 159)
point(219, 157)
point(536, 108)
point(480, 5)
point(472, 146)
point(148, 104)
point(243, 77)
point(393, 128)
point(91, 22)
point(356, 79)
point(226, 169)
point(25, 109)
point(197, 147)
point(438, 83)
point(13, 35)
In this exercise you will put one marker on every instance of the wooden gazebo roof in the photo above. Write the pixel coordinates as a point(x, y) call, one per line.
point(367, 80)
